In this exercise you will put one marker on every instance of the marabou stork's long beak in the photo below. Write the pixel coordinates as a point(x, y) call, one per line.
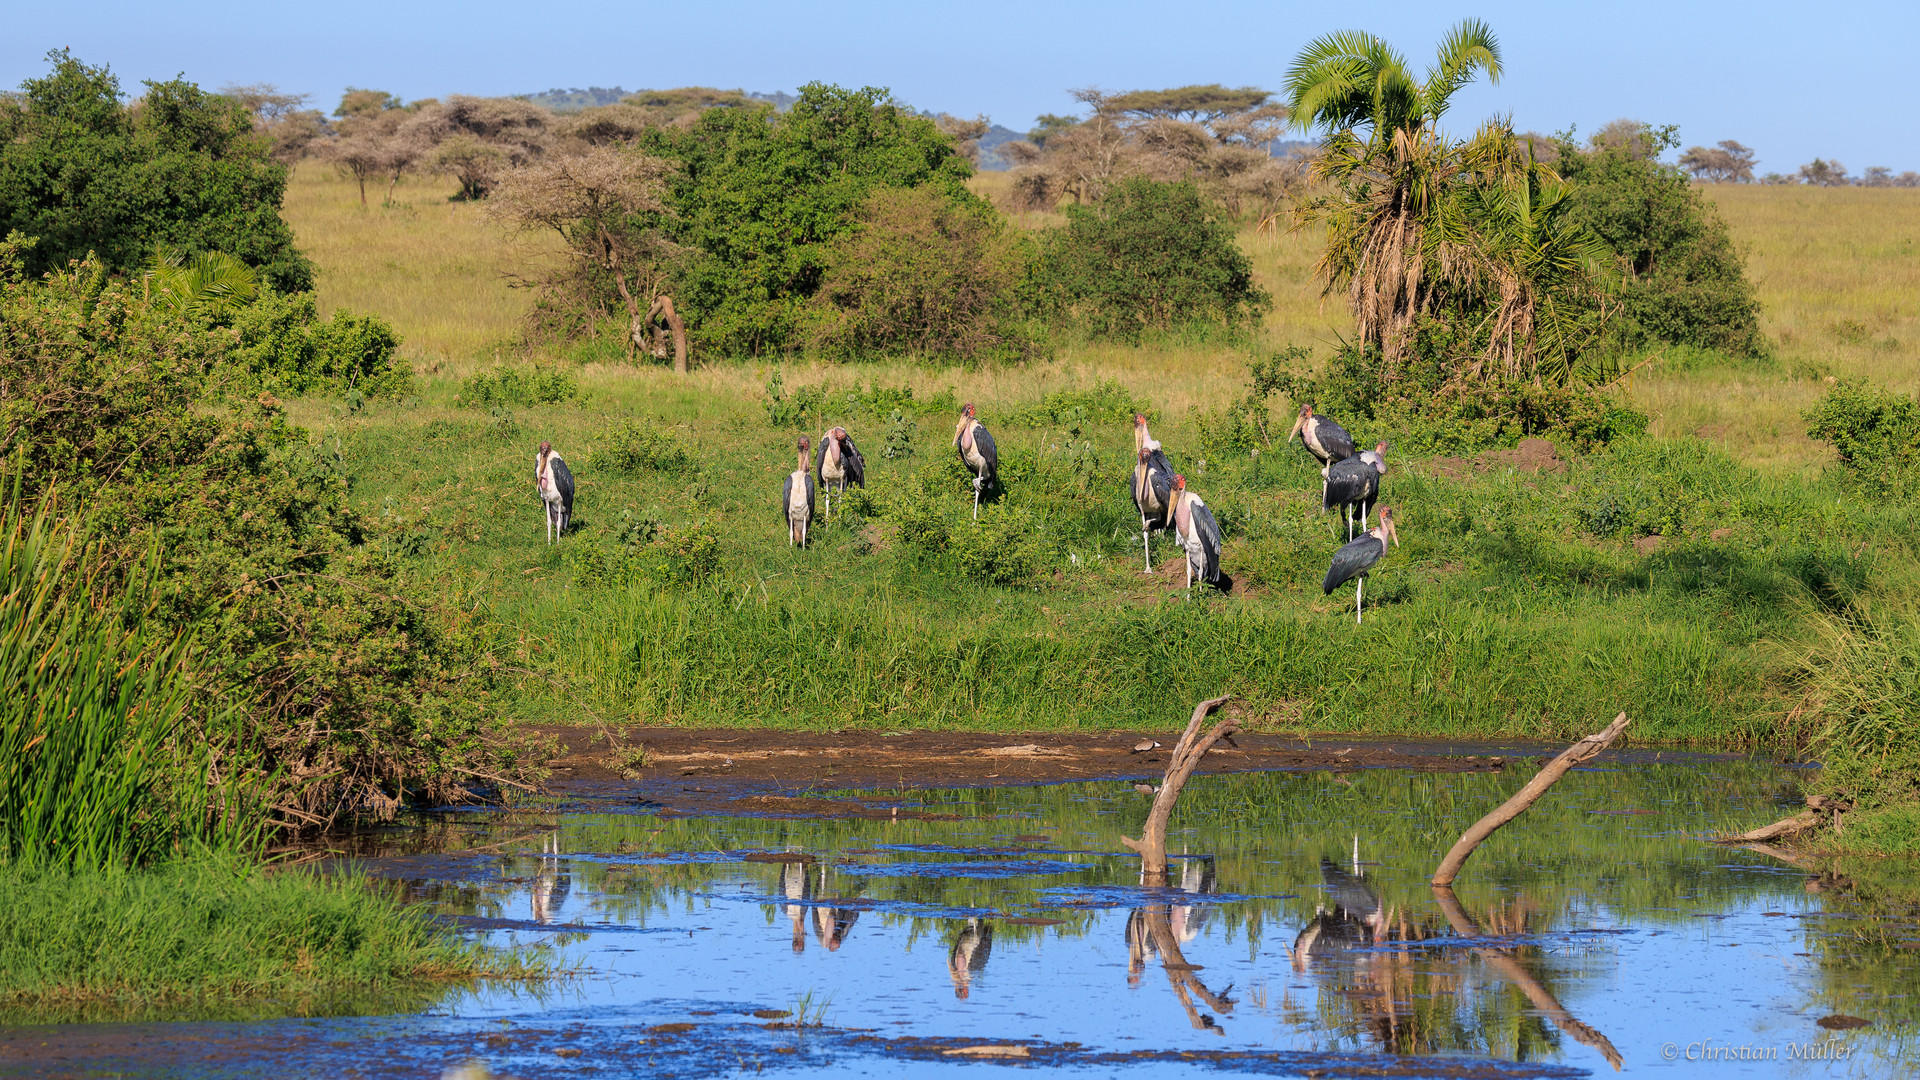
point(1386, 527)
point(1299, 425)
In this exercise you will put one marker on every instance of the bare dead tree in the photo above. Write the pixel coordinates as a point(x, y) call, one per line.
point(1583, 751)
point(1187, 752)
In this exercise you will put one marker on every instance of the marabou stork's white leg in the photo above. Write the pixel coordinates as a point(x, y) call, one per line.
point(976, 498)
point(1359, 604)
point(1147, 551)
point(827, 493)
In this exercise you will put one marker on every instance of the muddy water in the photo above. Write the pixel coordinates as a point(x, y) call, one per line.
point(990, 928)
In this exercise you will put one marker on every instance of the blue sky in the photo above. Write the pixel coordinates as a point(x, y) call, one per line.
point(1760, 72)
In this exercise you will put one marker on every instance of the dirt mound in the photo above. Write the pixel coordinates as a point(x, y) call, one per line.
point(1531, 455)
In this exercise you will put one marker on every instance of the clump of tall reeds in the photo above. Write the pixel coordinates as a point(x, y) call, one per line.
point(106, 752)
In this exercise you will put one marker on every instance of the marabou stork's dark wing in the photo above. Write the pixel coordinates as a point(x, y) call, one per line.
point(812, 490)
point(563, 482)
point(786, 500)
point(854, 462)
point(1208, 530)
point(1157, 458)
point(820, 458)
point(1333, 439)
point(1349, 481)
point(1349, 892)
point(1352, 560)
point(1160, 482)
point(983, 442)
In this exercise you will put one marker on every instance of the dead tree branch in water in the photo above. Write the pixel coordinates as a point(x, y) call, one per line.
point(1819, 808)
point(1583, 751)
point(1187, 753)
point(1510, 967)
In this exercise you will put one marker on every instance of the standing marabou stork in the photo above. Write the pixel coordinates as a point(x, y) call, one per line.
point(1356, 558)
point(838, 464)
point(1322, 437)
point(1197, 532)
point(1354, 482)
point(1152, 486)
point(977, 452)
point(555, 481)
point(796, 500)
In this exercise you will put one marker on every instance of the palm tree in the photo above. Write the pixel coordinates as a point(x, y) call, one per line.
point(1393, 173)
point(211, 284)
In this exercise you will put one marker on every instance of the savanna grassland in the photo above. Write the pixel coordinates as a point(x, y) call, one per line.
point(1686, 576)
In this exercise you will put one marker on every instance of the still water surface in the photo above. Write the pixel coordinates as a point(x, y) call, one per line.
point(1299, 938)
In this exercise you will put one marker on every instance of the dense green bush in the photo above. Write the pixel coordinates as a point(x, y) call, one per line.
point(285, 348)
point(648, 553)
point(1149, 255)
point(1422, 409)
point(524, 387)
point(805, 404)
point(761, 196)
point(925, 275)
point(1875, 431)
point(354, 691)
point(1685, 283)
point(635, 447)
point(1103, 403)
point(83, 171)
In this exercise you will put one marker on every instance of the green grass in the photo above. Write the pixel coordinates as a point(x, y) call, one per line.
point(210, 937)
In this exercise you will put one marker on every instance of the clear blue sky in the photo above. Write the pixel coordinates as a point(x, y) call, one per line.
point(1761, 72)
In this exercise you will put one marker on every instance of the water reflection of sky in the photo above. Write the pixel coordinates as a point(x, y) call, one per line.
point(1297, 933)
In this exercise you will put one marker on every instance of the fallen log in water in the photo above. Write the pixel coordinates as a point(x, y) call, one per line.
point(1820, 811)
point(1187, 752)
point(1583, 751)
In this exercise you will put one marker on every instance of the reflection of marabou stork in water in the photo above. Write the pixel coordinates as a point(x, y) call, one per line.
point(551, 882)
point(796, 887)
point(1358, 920)
point(977, 452)
point(831, 925)
point(1152, 485)
point(555, 482)
point(1199, 534)
point(1197, 879)
point(796, 500)
point(969, 955)
point(1354, 483)
point(838, 464)
point(1354, 560)
point(1322, 437)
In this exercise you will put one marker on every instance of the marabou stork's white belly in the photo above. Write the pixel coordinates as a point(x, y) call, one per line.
point(797, 498)
point(549, 492)
point(832, 471)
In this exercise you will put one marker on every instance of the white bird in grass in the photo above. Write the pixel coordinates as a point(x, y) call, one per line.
point(1354, 482)
point(838, 464)
point(1322, 437)
point(555, 483)
point(1197, 532)
point(1354, 560)
point(977, 452)
point(1152, 486)
point(796, 500)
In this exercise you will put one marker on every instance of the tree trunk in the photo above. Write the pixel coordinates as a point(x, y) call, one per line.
point(1187, 753)
point(663, 307)
point(620, 282)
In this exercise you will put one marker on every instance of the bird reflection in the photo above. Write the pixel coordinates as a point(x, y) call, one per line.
point(1161, 929)
point(551, 882)
point(969, 955)
point(797, 885)
point(1357, 920)
point(1197, 878)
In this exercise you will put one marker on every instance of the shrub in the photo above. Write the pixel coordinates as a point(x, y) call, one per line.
point(924, 274)
point(1148, 255)
point(522, 387)
point(85, 173)
point(647, 552)
point(355, 691)
point(1876, 432)
point(803, 405)
point(285, 348)
point(635, 447)
point(1105, 403)
point(1686, 284)
point(762, 196)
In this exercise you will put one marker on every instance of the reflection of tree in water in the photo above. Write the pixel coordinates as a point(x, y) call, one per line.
point(1160, 929)
point(1401, 1001)
point(968, 957)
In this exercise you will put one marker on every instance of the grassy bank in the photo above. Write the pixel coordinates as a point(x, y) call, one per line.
point(1693, 577)
point(214, 937)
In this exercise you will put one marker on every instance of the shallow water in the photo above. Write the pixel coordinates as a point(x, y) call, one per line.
point(1297, 937)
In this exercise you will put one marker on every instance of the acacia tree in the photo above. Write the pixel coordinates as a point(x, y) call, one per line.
point(1727, 162)
point(601, 203)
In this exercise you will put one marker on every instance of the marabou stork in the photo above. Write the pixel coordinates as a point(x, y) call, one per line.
point(1354, 482)
point(977, 453)
point(796, 500)
point(1152, 486)
point(1322, 437)
point(838, 464)
point(555, 481)
point(1356, 558)
point(1197, 532)
point(969, 955)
